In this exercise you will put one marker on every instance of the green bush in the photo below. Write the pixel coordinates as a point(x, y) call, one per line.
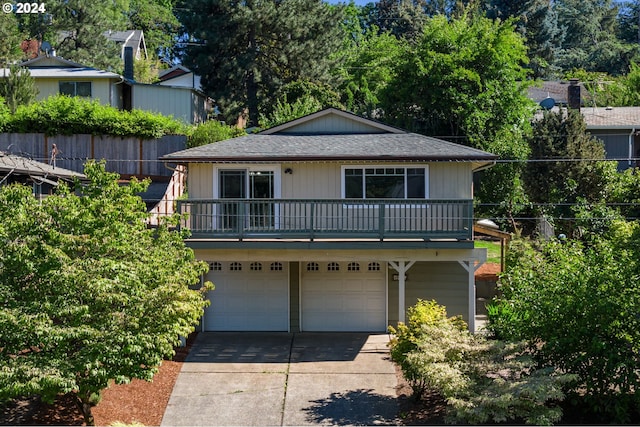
point(212, 131)
point(64, 115)
point(4, 115)
point(482, 380)
point(578, 308)
point(407, 337)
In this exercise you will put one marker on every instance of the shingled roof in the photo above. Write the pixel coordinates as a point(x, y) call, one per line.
point(374, 142)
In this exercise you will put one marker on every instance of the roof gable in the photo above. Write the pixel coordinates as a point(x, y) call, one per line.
point(51, 61)
point(331, 121)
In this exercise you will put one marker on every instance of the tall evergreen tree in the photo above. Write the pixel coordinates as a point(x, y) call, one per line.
point(80, 27)
point(537, 21)
point(11, 37)
point(17, 87)
point(629, 22)
point(246, 50)
point(565, 166)
point(590, 37)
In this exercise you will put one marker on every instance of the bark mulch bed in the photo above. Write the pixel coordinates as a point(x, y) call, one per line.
point(139, 402)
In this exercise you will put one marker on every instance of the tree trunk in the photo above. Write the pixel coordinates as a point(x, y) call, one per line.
point(85, 409)
point(252, 86)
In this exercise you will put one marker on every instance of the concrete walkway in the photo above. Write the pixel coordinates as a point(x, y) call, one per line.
point(274, 379)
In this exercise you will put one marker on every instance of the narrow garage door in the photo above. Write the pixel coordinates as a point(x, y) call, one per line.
point(343, 296)
point(248, 296)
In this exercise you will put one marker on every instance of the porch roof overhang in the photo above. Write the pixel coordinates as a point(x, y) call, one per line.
point(328, 244)
point(342, 253)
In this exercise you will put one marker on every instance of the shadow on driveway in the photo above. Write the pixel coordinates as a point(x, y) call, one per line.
point(353, 408)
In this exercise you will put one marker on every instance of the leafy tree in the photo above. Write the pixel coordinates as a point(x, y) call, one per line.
point(576, 304)
point(298, 99)
point(246, 51)
point(17, 87)
point(464, 80)
point(160, 25)
point(90, 293)
point(367, 69)
point(81, 26)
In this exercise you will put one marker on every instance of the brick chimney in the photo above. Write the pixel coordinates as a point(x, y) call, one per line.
point(573, 94)
point(128, 63)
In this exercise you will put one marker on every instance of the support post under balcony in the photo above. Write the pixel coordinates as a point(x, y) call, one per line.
point(401, 267)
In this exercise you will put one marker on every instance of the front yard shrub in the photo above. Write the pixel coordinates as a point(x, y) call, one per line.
point(407, 337)
point(212, 131)
point(578, 308)
point(64, 115)
point(483, 380)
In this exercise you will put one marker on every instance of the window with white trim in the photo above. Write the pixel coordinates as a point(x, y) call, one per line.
point(388, 182)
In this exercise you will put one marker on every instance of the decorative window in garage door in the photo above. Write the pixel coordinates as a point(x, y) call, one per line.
point(333, 266)
point(353, 266)
point(235, 266)
point(255, 266)
point(374, 266)
point(313, 266)
point(215, 266)
point(276, 266)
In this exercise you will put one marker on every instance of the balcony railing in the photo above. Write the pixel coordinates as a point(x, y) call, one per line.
point(336, 218)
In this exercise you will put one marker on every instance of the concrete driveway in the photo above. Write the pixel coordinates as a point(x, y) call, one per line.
point(274, 379)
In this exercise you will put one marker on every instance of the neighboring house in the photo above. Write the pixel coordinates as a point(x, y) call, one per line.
point(55, 75)
point(43, 177)
point(617, 127)
point(332, 222)
point(179, 75)
point(129, 38)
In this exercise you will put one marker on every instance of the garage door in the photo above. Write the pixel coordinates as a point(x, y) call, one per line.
point(343, 296)
point(248, 296)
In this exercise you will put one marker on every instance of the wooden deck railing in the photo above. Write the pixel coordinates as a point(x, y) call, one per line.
point(335, 218)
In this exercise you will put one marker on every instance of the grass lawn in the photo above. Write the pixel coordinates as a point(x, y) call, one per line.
point(493, 250)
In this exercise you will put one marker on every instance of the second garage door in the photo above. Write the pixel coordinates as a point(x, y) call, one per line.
point(248, 296)
point(343, 297)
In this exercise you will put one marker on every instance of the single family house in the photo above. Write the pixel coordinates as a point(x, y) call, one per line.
point(332, 222)
point(55, 75)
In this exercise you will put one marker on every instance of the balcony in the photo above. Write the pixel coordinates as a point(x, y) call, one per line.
point(336, 219)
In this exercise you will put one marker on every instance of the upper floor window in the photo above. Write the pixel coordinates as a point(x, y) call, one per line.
point(385, 182)
point(75, 88)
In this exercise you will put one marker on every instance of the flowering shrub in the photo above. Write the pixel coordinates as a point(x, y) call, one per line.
point(483, 380)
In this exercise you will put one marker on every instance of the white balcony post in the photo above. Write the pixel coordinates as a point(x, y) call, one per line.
point(401, 267)
point(471, 266)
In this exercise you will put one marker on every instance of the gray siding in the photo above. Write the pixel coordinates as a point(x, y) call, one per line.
point(334, 124)
point(616, 147)
point(444, 282)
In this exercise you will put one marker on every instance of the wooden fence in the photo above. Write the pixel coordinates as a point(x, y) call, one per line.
point(127, 156)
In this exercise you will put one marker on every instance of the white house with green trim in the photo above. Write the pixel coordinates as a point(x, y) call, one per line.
point(332, 222)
